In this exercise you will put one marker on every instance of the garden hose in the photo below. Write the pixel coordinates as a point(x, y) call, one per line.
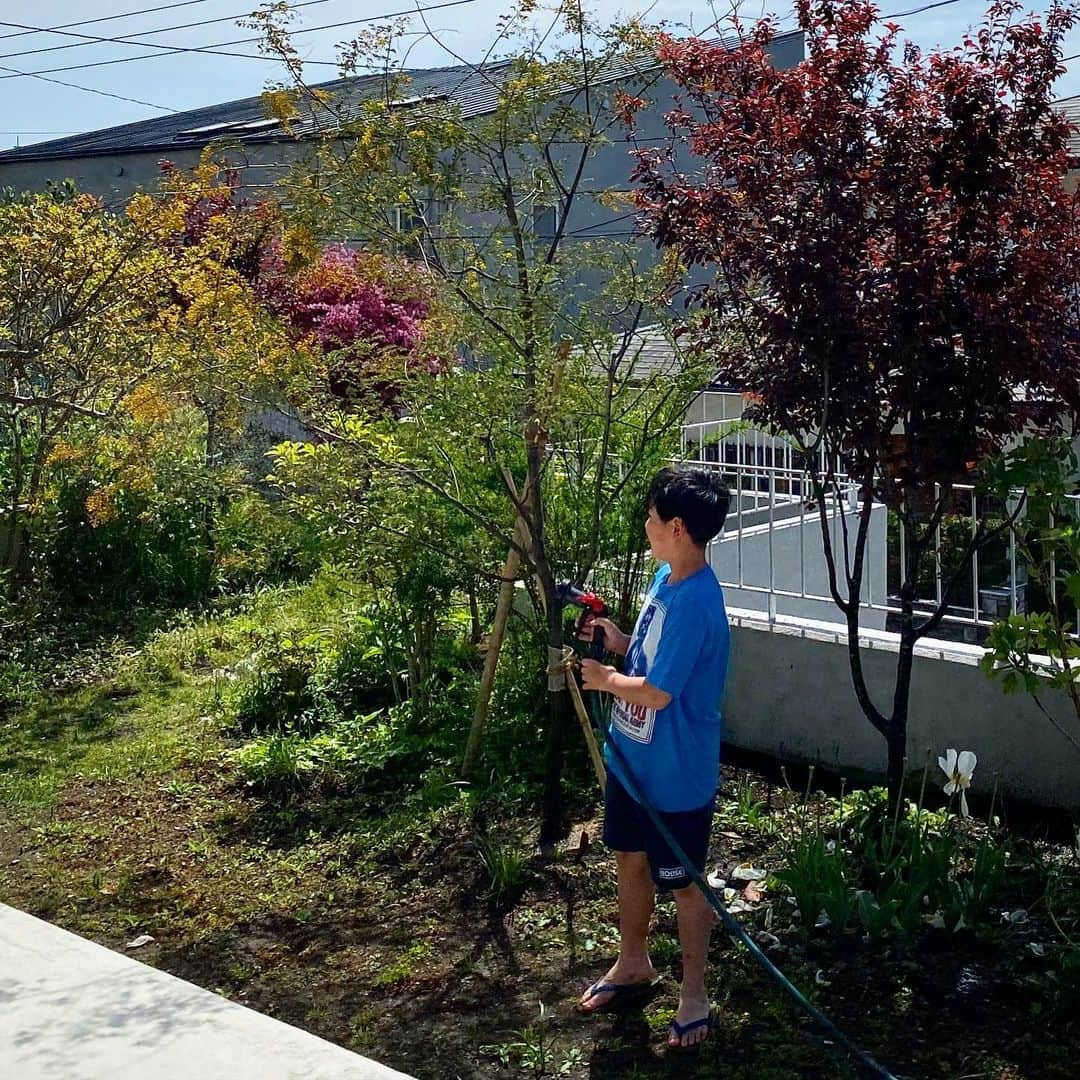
point(734, 928)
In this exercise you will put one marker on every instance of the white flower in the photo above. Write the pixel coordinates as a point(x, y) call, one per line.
point(958, 768)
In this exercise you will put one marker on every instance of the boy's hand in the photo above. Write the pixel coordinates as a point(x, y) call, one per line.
point(594, 675)
point(614, 639)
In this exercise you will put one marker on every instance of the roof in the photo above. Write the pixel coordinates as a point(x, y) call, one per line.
point(473, 89)
point(651, 351)
point(245, 120)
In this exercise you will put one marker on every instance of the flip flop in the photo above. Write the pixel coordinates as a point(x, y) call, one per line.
point(682, 1030)
point(623, 995)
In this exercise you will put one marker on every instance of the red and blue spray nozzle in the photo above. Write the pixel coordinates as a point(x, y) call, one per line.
point(591, 605)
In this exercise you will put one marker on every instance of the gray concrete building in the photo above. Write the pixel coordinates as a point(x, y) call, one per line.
point(115, 162)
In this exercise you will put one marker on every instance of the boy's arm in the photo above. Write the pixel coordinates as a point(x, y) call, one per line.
point(632, 688)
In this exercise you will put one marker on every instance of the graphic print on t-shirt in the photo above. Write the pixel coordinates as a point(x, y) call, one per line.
point(636, 721)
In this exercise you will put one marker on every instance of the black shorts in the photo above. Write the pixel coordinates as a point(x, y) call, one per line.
point(628, 828)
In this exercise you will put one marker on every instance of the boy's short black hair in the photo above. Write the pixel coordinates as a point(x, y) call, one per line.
point(698, 496)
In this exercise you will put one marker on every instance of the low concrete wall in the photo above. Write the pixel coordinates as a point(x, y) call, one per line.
point(790, 695)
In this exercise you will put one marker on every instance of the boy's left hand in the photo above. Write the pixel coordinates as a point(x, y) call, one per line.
point(594, 675)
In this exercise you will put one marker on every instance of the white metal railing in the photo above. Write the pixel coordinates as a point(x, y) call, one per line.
point(771, 548)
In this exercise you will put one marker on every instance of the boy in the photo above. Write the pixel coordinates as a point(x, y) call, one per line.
point(665, 720)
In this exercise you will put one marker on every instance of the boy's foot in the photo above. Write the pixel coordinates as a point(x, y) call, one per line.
point(693, 1023)
point(621, 985)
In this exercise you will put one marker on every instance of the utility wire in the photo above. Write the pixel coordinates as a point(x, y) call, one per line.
point(104, 18)
point(917, 11)
point(243, 41)
point(86, 89)
point(897, 14)
point(209, 50)
point(89, 39)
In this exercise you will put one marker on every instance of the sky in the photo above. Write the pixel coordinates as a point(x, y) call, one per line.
point(160, 81)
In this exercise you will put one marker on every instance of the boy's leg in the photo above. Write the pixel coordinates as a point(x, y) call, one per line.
point(636, 899)
point(695, 918)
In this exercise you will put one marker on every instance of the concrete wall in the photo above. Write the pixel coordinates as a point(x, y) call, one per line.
point(115, 177)
point(790, 695)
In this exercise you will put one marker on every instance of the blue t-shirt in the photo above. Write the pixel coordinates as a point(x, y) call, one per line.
point(680, 644)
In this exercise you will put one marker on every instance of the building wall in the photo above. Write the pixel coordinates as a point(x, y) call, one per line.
point(790, 695)
point(116, 176)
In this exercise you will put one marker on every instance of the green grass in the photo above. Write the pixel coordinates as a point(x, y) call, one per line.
point(404, 965)
point(158, 706)
point(96, 736)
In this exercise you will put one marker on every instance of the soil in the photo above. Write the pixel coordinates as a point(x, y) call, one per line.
point(393, 944)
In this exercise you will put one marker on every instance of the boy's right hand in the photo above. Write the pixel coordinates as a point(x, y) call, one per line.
point(614, 639)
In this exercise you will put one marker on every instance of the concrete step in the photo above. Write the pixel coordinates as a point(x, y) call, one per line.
point(73, 1010)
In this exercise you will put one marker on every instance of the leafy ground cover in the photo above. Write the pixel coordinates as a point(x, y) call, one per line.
point(414, 921)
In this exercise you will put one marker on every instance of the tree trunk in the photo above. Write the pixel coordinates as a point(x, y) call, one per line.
point(554, 826)
point(896, 734)
point(476, 632)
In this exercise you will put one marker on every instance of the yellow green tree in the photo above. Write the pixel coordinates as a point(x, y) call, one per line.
point(550, 426)
point(122, 321)
point(83, 302)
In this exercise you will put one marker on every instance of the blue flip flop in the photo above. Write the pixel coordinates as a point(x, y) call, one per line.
point(682, 1030)
point(623, 995)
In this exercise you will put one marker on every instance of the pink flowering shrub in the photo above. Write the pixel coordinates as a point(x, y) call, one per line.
point(370, 317)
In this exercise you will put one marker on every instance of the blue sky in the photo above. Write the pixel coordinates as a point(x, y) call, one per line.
point(40, 110)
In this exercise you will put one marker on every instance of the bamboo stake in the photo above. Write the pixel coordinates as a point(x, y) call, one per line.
point(586, 727)
point(495, 643)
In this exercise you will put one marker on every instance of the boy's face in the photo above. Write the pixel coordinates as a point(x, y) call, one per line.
point(663, 535)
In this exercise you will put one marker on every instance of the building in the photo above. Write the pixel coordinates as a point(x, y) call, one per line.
point(114, 162)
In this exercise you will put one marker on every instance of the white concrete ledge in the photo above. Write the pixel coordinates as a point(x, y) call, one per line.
point(73, 1010)
point(958, 652)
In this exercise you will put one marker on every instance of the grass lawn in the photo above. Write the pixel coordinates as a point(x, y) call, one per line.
point(424, 931)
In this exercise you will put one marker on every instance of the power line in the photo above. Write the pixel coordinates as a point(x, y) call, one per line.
point(244, 41)
point(904, 14)
point(104, 18)
point(86, 89)
point(917, 11)
point(212, 50)
point(89, 39)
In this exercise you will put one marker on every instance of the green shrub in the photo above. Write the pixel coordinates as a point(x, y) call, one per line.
point(271, 691)
point(279, 766)
point(504, 866)
point(258, 542)
point(819, 877)
point(891, 874)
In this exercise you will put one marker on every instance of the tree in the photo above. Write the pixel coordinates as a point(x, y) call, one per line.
point(496, 206)
point(81, 299)
point(228, 353)
point(888, 229)
point(1037, 649)
point(108, 317)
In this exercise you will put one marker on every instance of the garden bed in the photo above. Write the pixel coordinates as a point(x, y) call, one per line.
point(420, 926)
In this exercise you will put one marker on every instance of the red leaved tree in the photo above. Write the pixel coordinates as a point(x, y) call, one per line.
point(889, 230)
